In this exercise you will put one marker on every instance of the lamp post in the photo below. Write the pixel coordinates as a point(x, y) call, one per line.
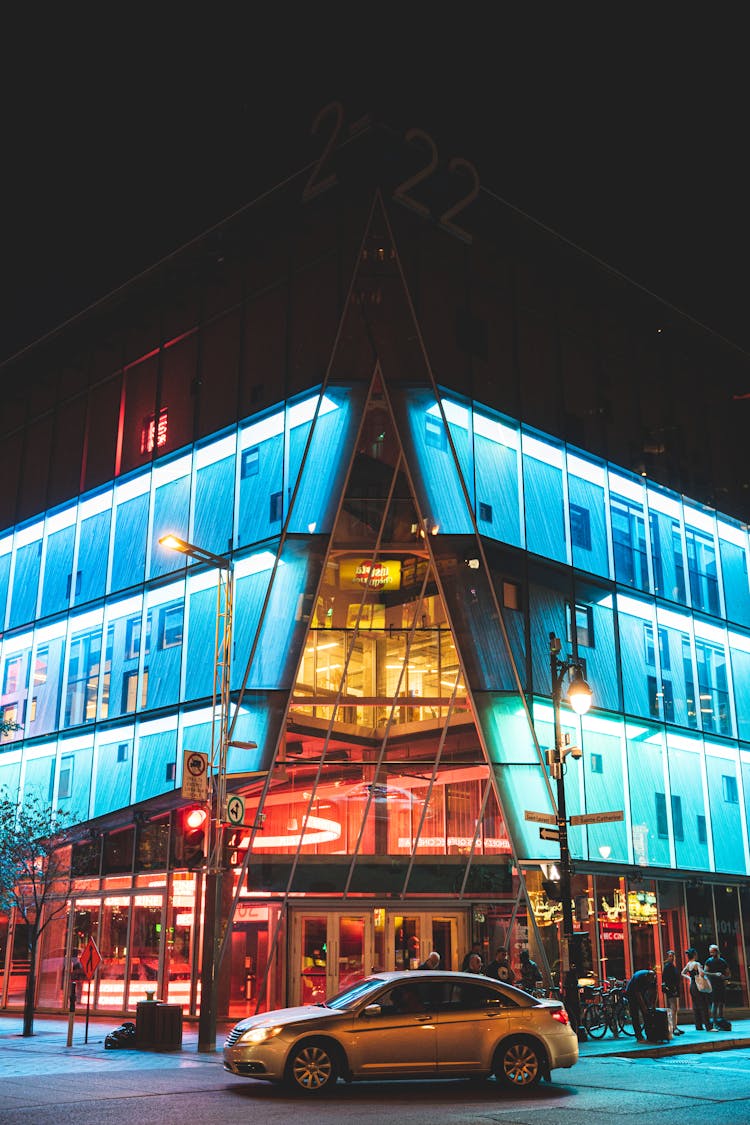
point(579, 697)
point(217, 781)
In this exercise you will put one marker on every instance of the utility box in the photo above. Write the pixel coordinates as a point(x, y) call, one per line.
point(158, 1026)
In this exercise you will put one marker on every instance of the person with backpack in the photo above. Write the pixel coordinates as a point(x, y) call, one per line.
point(700, 996)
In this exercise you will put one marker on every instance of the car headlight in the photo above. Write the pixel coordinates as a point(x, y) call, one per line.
point(259, 1034)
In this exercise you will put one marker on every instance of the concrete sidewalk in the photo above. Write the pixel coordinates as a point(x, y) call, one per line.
point(691, 1042)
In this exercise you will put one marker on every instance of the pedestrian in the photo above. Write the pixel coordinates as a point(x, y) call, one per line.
point(530, 975)
point(717, 971)
point(431, 961)
point(670, 983)
point(641, 995)
point(499, 968)
point(693, 972)
point(475, 963)
point(475, 951)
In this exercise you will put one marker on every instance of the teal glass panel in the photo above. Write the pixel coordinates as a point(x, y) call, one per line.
point(114, 771)
point(688, 807)
point(93, 551)
point(58, 568)
point(25, 584)
point(84, 667)
point(4, 575)
point(518, 771)
point(10, 775)
point(724, 798)
point(171, 514)
point(39, 778)
point(214, 506)
point(548, 610)
point(201, 644)
point(594, 621)
point(164, 625)
point(603, 777)
point(326, 462)
point(77, 765)
point(736, 586)
point(588, 525)
point(678, 697)
point(497, 477)
point(156, 752)
point(629, 544)
point(740, 660)
point(646, 784)
point(129, 552)
point(123, 648)
point(261, 486)
point(46, 685)
point(667, 557)
point(543, 502)
point(574, 790)
point(638, 659)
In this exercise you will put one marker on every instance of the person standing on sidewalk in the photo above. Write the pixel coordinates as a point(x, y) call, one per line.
point(717, 971)
point(701, 1000)
point(670, 983)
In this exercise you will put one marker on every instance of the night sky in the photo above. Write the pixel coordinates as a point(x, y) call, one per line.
point(120, 144)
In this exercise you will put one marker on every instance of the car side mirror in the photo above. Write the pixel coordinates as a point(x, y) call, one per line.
point(372, 1010)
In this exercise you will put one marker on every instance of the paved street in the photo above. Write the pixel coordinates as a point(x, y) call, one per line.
point(43, 1082)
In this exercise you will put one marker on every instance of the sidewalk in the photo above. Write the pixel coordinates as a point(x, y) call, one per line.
point(692, 1042)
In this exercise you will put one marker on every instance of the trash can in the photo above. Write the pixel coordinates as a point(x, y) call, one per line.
point(158, 1026)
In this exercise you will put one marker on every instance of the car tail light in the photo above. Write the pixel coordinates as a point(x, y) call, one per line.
point(560, 1015)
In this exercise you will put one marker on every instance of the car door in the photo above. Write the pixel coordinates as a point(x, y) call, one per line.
point(471, 1018)
point(400, 1038)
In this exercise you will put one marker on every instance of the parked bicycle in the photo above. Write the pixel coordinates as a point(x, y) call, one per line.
point(608, 1010)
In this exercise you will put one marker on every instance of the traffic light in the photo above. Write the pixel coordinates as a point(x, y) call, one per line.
point(194, 825)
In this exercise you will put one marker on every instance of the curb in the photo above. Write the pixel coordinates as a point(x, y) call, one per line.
point(655, 1051)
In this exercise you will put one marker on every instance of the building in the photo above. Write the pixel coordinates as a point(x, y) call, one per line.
point(428, 434)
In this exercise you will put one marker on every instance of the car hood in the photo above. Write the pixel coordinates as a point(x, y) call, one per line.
point(287, 1015)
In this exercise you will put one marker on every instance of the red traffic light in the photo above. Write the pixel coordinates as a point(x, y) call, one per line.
point(193, 833)
point(195, 818)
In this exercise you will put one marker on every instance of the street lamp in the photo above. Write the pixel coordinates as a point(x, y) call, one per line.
point(217, 781)
point(579, 697)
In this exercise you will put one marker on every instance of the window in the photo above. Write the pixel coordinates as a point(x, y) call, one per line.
point(12, 675)
point(276, 508)
point(485, 512)
point(41, 663)
point(596, 763)
point(677, 828)
point(434, 434)
point(32, 710)
point(662, 828)
point(580, 527)
point(170, 625)
point(729, 789)
point(171, 771)
point(123, 752)
point(581, 625)
point(9, 717)
point(70, 583)
point(65, 784)
point(701, 825)
point(511, 595)
point(250, 464)
point(133, 637)
point(130, 690)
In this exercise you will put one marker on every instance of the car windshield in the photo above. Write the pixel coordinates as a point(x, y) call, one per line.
point(350, 996)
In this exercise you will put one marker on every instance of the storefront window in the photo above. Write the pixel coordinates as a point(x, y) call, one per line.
point(729, 940)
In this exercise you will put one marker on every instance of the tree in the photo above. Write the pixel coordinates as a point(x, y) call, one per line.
point(35, 873)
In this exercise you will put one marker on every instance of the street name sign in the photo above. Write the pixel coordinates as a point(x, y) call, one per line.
point(597, 817)
point(540, 817)
point(194, 775)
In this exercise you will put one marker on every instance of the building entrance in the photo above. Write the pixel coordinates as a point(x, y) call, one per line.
point(331, 948)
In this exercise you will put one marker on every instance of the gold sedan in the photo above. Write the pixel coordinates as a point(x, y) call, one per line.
point(407, 1025)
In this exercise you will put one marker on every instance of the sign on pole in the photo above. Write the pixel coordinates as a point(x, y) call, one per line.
point(540, 817)
point(90, 958)
point(549, 833)
point(235, 810)
point(597, 817)
point(194, 775)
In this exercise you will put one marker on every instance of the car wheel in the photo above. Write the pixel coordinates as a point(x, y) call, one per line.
point(312, 1067)
point(519, 1064)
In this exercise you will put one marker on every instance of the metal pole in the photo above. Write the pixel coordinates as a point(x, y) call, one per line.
point(212, 944)
point(558, 669)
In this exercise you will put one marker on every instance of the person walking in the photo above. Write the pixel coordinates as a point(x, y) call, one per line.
point(475, 951)
point(693, 971)
point(499, 968)
point(717, 971)
point(530, 975)
point(475, 964)
point(670, 984)
point(641, 994)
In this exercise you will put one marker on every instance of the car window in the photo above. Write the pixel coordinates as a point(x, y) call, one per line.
point(351, 996)
point(473, 997)
point(407, 997)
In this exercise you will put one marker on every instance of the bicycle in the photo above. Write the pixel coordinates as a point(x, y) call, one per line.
point(608, 1010)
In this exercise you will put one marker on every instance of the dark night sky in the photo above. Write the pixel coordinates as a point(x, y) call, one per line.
point(122, 143)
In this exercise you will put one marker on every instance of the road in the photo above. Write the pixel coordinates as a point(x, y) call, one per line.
point(120, 1088)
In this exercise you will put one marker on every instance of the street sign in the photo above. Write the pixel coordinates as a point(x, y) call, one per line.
point(540, 817)
point(597, 817)
point(194, 775)
point(90, 959)
point(235, 810)
point(549, 833)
